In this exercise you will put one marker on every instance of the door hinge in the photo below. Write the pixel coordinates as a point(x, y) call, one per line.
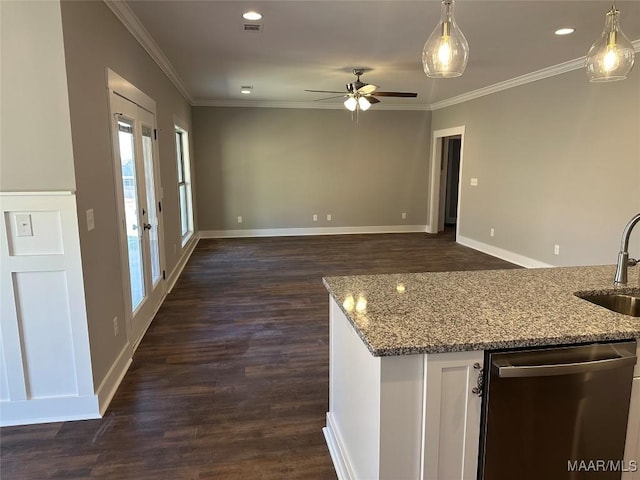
point(164, 275)
point(160, 206)
point(155, 134)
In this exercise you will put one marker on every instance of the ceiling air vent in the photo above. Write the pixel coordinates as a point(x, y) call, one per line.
point(252, 27)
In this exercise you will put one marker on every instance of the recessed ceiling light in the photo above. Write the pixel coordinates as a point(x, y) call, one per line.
point(246, 90)
point(252, 15)
point(565, 31)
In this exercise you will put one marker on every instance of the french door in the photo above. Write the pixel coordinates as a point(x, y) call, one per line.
point(138, 185)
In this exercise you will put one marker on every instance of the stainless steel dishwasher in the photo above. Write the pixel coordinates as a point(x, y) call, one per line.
point(548, 412)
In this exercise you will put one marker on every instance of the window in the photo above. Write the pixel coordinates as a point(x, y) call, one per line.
point(184, 184)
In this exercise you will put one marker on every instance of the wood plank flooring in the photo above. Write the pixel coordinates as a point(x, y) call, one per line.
point(231, 380)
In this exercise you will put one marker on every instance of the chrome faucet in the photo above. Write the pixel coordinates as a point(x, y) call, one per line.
point(623, 256)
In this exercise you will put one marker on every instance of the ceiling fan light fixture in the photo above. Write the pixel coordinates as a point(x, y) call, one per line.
point(446, 51)
point(364, 104)
point(611, 57)
point(351, 104)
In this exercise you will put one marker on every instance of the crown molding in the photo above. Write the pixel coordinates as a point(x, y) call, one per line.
point(126, 16)
point(517, 81)
point(304, 105)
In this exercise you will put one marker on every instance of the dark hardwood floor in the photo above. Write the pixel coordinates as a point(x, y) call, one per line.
point(231, 380)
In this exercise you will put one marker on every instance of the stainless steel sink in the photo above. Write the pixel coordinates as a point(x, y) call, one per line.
point(627, 304)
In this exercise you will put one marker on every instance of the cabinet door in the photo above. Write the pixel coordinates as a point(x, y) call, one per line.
point(632, 446)
point(451, 426)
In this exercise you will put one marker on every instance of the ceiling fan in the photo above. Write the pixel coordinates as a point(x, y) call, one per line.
point(361, 95)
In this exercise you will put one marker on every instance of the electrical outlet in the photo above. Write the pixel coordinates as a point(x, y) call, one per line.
point(404, 215)
point(328, 217)
point(239, 219)
point(474, 182)
point(315, 217)
point(115, 327)
point(492, 232)
point(556, 250)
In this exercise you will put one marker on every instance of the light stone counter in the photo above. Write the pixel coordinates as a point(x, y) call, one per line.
point(401, 314)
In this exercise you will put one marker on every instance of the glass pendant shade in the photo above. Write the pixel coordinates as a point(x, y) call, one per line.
point(364, 104)
point(351, 103)
point(611, 57)
point(446, 51)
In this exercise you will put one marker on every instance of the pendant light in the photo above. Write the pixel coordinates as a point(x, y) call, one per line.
point(611, 57)
point(446, 52)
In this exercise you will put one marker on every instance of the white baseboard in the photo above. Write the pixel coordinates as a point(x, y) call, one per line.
point(175, 274)
point(113, 378)
point(501, 253)
point(339, 457)
point(48, 410)
point(294, 232)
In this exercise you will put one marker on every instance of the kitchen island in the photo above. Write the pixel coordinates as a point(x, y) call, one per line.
point(407, 351)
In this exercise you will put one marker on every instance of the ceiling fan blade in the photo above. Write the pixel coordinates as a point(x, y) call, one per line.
point(367, 89)
point(325, 91)
point(371, 99)
point(327, 98)
point(396, 94)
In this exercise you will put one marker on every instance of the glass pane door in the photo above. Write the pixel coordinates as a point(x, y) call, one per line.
point(152, 204)
point(139, 196)
point(126, 142)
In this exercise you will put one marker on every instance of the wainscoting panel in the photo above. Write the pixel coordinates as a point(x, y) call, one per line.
point(48, 359)
point(46, 363)
point(45, 239)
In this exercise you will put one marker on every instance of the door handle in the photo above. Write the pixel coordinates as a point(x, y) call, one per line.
point(505, 369)
point(147, 226)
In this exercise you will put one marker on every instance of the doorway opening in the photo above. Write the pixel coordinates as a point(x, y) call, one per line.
point(449, 182)
point(446, 169)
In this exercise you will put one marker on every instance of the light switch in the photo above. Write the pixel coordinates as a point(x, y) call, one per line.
point(474, 182)
point(90, 220)
point(23, 225)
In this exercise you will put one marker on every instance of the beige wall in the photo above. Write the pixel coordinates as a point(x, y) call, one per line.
point(557, 162)
point(94, 40)
point(278, 167)
point(35, 150)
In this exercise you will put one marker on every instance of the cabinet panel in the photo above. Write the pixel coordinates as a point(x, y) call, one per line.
point(400, 413)
point(451, 425)
point(354, 400)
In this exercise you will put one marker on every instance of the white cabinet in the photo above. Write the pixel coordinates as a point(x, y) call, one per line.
point(451, 418)
point(375, 406)
point(407, 417)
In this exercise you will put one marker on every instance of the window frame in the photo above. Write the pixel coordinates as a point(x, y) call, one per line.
point(183, 172)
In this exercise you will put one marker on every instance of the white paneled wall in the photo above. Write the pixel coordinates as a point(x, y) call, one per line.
point(46, 364)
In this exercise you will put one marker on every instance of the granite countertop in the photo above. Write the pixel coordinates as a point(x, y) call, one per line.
point(401, 314)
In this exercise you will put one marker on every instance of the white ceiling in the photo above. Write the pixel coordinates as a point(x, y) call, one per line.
point(307, 44)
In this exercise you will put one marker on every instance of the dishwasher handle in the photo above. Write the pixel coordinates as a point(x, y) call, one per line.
point(506, 370)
